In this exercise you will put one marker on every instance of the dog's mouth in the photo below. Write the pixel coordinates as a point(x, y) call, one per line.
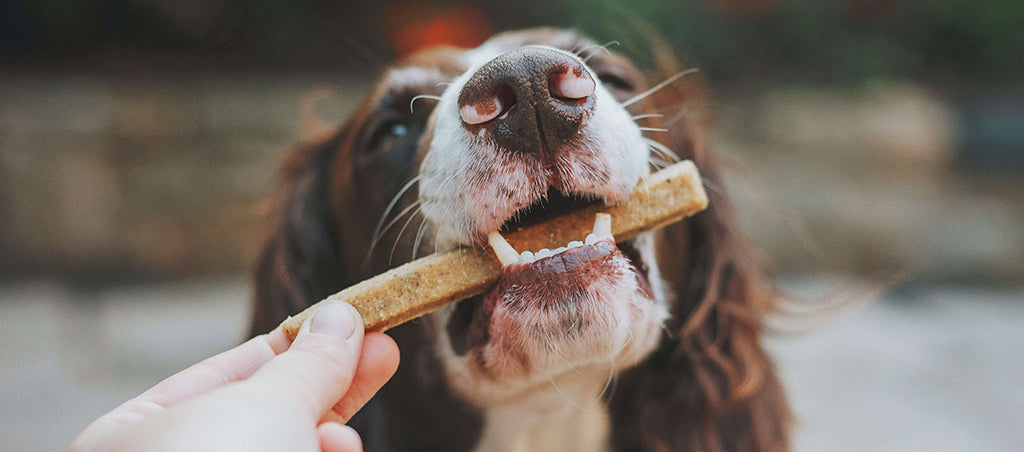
point(553, 203)
point(557, 292)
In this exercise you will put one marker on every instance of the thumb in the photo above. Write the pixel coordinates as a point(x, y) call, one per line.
point(317, 369)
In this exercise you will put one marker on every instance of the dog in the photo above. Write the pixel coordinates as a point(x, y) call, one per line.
point(650, 344)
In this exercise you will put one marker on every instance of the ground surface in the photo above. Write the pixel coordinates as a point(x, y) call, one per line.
point(929, 369)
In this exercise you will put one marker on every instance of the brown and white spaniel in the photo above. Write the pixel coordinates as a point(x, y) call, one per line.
point(651, 344)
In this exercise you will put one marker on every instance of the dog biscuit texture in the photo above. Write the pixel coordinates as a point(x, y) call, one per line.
point(427, 284)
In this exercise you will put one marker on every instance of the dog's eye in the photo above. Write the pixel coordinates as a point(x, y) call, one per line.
point(387, 134)
point(615, 82)
point(398, 130)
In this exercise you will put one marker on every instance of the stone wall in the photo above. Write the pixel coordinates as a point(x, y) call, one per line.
point(110, 177)
point(870, 182)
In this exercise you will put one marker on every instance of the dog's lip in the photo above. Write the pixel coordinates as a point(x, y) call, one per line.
point(568, 262)
point(469, 327)
point(558, 265)
point(529, 268)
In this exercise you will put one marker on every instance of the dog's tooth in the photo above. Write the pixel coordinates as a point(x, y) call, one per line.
point(575, 244)
point(526, 257)
point(591, 239)
point(558, 250)
point(505, 252)
point(543, 253)
point(602, 225)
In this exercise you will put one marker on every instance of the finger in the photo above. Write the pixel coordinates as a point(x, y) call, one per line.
point(377, 363)
point(233, 365)
point(277, 340)
point(227, 367)
point(316, 371)
point(335, 437)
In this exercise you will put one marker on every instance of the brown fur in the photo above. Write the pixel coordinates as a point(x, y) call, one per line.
point(709, 385)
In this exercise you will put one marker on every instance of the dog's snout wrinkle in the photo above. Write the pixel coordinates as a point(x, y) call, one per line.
point(532, 100)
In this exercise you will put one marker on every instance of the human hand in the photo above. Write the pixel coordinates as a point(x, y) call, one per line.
point(263, 395)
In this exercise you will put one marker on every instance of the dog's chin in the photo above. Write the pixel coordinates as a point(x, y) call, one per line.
point(589, 308)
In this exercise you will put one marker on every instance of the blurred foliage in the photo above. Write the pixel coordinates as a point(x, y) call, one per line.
point(853, 41)
point(947, 42)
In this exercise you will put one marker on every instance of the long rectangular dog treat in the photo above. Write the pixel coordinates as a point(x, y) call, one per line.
point(425, 285)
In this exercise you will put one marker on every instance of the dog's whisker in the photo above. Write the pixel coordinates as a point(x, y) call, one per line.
point(647, 189)
point(659, 155)
point(657, 163)
point(658, 160)
point(711, 185)
point(609, 384)
point(391, 205)
point(377, 238)
point(581, 47)
point(652, 129)
point(611, 362)
point(421, 96)
point(569, 400)
point(401, 232)
point(646, 116)
point(554, 349)
point(437, 234)
point(419, 237)
point(664, 150)
point(658, 87)
point(592, 50)
point(558, 389)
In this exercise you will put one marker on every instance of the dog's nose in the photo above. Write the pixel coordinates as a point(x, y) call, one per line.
point(532, 99)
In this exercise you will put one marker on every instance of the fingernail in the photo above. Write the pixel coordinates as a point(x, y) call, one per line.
point(336, 319)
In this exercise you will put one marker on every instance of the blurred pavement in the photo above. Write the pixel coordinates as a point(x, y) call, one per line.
point(934, 369)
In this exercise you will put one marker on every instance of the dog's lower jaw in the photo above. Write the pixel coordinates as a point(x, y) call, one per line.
point(569, 415)
point(519, 341)
point(557, 404)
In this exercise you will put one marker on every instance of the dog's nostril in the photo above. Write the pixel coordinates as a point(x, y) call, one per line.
point(488, 108)
point(532, 100)
point(573, 83)
point(481, 112)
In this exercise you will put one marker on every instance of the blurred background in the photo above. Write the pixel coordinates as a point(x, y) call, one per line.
point(877, 151)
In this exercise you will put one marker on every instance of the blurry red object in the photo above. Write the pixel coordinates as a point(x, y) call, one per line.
point(417, 25)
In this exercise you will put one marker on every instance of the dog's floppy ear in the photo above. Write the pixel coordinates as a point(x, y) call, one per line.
point(300, 263)
point(709, 385)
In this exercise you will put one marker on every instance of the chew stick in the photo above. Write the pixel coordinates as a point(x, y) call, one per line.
point(425, 285)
